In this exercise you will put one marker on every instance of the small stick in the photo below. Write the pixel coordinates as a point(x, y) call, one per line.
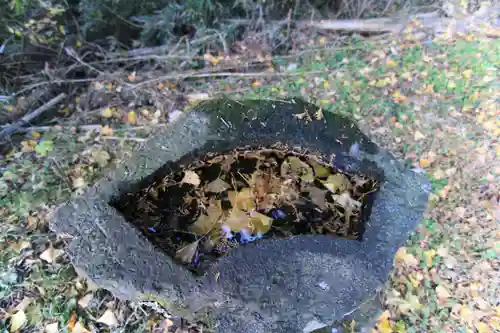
point(30, 116)
point(84, 128)
point(124, 138)
point(222, 74)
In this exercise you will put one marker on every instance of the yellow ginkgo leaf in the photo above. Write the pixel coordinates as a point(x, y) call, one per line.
point(383, 324)
point(132, 119)
point(429, 255)
point(17, 321)
point(467, 74)
point(391, 63)
point(482, 327)
point(107, 113)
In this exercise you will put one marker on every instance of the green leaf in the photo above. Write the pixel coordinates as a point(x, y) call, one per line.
point(44, 147)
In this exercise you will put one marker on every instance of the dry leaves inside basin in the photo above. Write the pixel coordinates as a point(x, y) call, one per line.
point(200, 211)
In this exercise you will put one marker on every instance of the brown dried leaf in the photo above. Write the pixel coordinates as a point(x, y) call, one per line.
point(337, 183)
point(187, 253)
point(108, 318)
point(317, 196)
point(348, 203)
point(52, 328)
point(106, 131)
point(260, 184)
point(79, 328)
point(442, 293)
point(85, 300)
point(51, 254)
point(205, 223)
point(191, 177)
point(217, 186)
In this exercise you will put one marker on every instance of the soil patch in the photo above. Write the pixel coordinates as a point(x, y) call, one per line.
point(199, 211)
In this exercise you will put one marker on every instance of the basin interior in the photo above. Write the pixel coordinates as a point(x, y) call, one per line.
point(198, 210)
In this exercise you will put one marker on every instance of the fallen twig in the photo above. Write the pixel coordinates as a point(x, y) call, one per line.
point(9, 130)
point(124, 138)
point(221, 74)
point(372, 25)
point(91, 127)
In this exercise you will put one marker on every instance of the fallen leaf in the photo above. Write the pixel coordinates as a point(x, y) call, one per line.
point(238, 220)
point(399, 98)
point(298, 168)
point(391, 63)
point(320, 170)
point(439, 174)
point(191, 177)
point(79, 328)
point(72, 321)
point(31, 223)
point(78, 182)
point(337, 183)
point(52, 328)
point(106, 131)
point(442, 293)
point(132, 77)
point(466, 315)
point(28, 146)
point(24, 304)
point(101, 157)
point(205, 223)
point(167, 325)
point(408, 259)
point(383, 323)
point(418, 136)
point(107, 113)
point(51, 254)
point(242, 200)
point(467, 74)
point(407, 76)
point(17, 321)
point(187, 253)
point(424, 162)
point(217, 186)
point(36, 135)
point(303, 116)
point(108, 318)
point(260, 223)
point(44, 147)
point(429, 255)
point(428, 89)
point(211, 59)
point(85, 300)
point(131, 118)
point(482, 327)
point(317, 196)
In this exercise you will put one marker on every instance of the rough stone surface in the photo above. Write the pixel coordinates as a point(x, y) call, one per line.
point(269, 286)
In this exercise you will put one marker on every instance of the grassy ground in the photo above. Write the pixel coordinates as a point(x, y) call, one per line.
point(435, 105)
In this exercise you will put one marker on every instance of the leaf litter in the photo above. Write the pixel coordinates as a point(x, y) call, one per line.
point(197, 212)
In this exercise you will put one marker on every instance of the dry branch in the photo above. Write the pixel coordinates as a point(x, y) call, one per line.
point(9, 130)
point(372, 25)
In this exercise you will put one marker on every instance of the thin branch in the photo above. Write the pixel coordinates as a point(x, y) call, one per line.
point(30, 116)
point(222, 74)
